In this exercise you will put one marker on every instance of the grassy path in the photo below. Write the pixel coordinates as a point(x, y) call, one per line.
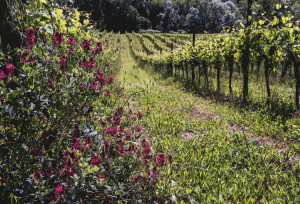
point(213, 159)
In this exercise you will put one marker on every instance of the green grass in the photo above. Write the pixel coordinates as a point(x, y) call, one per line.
point(206, 168)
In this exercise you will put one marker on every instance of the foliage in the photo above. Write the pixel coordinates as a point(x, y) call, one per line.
point(66, 131)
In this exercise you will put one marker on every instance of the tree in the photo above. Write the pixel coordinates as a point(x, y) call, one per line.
point(193, 20)
point(169, 18)
point(203, 8)
point(221, 13)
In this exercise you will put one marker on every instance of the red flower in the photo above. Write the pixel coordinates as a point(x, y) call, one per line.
point(140, 115)
point(49, 172)
point(2, 75)
point(98, 48)
point(117, 120)
point(88, 141)
point(277, 162)
point(121, 129)
point(138, 128)
point(30, 39)
point(107, 93)
point(38, 175)
point(170, 159)
point(154, 180)
point(49, 84)
point(132, 148)
point(133, 118)
point(111, 131)
point(71, 41)
point(120, 111)
point(226, 139)
point(86, 45)
point(81, 87)
point(160, 159)
point(109, 80)
point(59, 191)
point(128, 135)
point(75, 144)
point(10, 67)
point(154, 170)
point(91, 63)
point(75, 133)
point(147, 149)
point(102, 80)
point(106, 143)
point(103, 124)
point(95, 161)
point(58, 38)
point(63, 63)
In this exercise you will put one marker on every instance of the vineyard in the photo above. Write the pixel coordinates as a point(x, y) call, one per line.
point(90, 116)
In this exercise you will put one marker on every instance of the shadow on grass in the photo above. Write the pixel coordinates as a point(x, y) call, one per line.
point(275, 108)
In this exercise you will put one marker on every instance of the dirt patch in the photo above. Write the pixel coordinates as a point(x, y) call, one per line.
point(187, 134)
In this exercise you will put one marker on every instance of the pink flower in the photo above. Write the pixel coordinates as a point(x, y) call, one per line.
point(128, 135)
point(120, 111)
point(49, 172)
point(132, 148)
point(107, 93)
point(147, 149)
point(226, 139)
point(71, 41)
point(75, 133)
point(138, 128)
point(154, 170)
point(2, 98)
point(81, 87)
point(275, 96)
point(277, 162)
point(91, 63)
point(86, 45)
point(140, 115)
point(10, 67)
point(154, 180)
point(170, 159)
point(38, 175)
point(111, 131)
point(106, 143)
point(101, 175)
point(102, 80)
point(63, 63)
point(58, 38)
point(117, 120)
point(49, 84)
point(95, 161)
point(109, 80)
point(30, 39)
point(98, 48)
point(75, 144)
point(2, 75)
point(121, 129)
point(133, 118)
point(160, 159)
point(103, 124)
point(59, 191)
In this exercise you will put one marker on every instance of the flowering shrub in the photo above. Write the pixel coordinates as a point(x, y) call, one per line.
point(62, 137)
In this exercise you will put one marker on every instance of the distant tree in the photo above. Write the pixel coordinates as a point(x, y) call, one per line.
point(169, 18)
point(193, 20)
point(221, 13)
point(204, 13)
